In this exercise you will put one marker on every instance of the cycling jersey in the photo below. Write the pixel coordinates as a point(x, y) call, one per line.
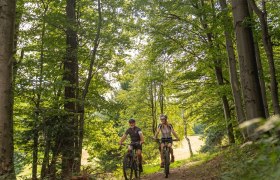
point(134, 133)
point(165, 130)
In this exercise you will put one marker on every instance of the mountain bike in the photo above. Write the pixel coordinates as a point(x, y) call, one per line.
point(131, 163)
point(166, 154)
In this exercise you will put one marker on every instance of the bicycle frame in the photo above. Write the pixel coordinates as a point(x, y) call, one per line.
point(166, 155)
point(131, 164)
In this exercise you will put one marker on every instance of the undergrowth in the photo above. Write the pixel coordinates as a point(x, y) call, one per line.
point(257, 161)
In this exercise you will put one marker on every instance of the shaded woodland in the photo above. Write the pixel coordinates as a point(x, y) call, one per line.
point(73, 72)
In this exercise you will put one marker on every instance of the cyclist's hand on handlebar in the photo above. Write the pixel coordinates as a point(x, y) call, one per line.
point(155, 139)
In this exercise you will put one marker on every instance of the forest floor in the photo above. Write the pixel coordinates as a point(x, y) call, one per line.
point(209, 170)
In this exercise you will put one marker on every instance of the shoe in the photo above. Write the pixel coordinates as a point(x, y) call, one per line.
point(172, 159)
point(162, 165)
point(140, 168)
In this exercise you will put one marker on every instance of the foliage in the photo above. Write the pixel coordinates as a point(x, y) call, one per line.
point(255, 161)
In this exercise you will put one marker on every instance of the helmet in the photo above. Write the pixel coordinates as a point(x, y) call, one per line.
point(131, 121)
point(163, 116)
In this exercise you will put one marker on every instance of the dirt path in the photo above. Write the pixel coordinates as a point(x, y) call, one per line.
point(206, 171)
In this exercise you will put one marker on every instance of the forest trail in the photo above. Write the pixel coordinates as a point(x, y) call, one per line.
point(193, 170)
point(206, 171)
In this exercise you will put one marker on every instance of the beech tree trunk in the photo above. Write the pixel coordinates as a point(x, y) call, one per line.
point(260, 71)
point(7, 23)
point(247, 64)
point(269, 53)
point(70, 92)
point(234, 80)
point(261, 77)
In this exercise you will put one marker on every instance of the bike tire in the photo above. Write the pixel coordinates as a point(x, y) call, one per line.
point(166, 162)
point(127, 167)
point(136, 168)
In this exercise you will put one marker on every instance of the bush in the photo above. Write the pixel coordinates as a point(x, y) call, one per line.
point(254, 161)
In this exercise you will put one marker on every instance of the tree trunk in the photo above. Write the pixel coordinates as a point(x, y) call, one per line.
point(35, 151)
point(7, 23)
point(161, 97)
point(247, 64)
point(153, 108)
point(234, 80)
point(55, 152)
point(219, 77)
point(186, 133)
point(260, 71)
point(229, 127)
point(70, 76)
point(38, 101)
point(261, 77)
point(269, 53)
point(81, 106)
point(16, 62)
point(46, 158)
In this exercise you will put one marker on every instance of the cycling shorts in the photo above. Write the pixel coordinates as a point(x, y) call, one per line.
point(164, 140)
point(136, 146)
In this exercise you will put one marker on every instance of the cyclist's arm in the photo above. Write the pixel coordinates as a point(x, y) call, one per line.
point(175, 134)
point(123, 138)
point(157, 132)
point(141, 137)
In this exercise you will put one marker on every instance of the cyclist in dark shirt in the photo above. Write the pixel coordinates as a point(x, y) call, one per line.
point(136, 136)
point(166, 130)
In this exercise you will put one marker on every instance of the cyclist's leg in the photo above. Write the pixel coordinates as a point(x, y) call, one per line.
point(129, 149)
point(139, 155)
point(161, 155)
point(171, 152)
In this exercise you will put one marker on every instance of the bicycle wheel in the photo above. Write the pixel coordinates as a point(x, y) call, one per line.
point(166, 162)
point(127, 167)
point(136, 168)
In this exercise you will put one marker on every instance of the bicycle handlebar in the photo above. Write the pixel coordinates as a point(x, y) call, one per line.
point(157, 139)
point(132, 143)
